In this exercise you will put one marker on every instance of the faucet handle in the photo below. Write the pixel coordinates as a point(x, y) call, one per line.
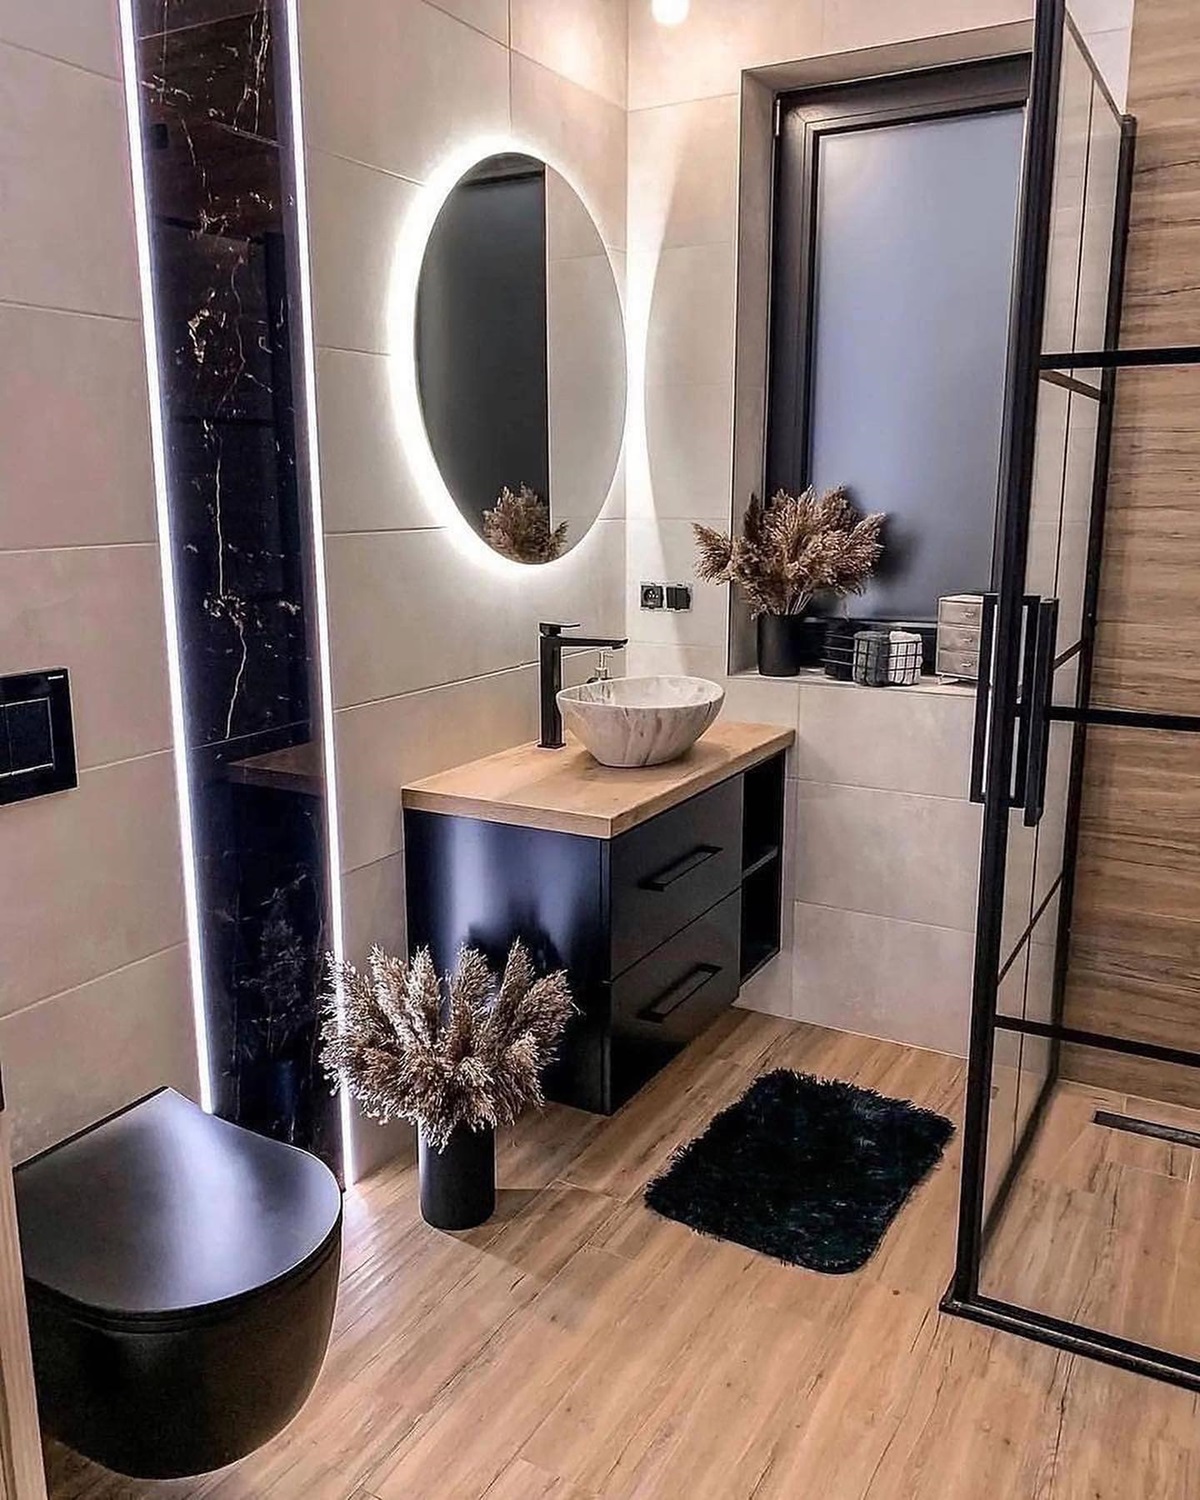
point(549, 628)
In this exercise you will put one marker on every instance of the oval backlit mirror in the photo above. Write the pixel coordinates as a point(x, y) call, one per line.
point(520, 353)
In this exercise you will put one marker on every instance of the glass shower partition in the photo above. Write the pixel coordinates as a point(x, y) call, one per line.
point(1037, 1252)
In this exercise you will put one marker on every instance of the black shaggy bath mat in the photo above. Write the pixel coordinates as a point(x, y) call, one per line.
point(809, 1170)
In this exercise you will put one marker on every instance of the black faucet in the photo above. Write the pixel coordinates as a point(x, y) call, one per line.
point(550, 649)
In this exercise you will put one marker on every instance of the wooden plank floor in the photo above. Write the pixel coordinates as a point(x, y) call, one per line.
point(1114, 1217)
point(578, 1347)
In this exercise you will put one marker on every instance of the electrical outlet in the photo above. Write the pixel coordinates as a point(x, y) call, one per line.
point(679, 596)
point(653, 596)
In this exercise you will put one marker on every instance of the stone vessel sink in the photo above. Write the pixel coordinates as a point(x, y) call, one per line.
point(640, 721)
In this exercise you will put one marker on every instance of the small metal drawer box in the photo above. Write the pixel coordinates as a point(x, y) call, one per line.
point(960, 621)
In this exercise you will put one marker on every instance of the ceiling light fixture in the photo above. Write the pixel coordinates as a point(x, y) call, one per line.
point(670, 12)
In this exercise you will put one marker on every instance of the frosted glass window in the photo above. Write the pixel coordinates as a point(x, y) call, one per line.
point(915, 234)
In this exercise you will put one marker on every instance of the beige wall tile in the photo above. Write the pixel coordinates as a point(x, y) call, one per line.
point(98, 612)
point(898, 980)
point(664, 552)
point(401, 87)
point(357, 218)
point(485, 15)
point(75, 1057)
point(74, 431)
point(580, 134)
point(366, 481)
point(689, 445)
point(656, 659)
point(380, 746)
point(373, 908)
point(583, 40)
point(764, 700)
point(706, 55)
point(90, 880)
point(683, 174)
point(873, 23)
point(896, 740)
point(889, 854)
point(83, 32)
point(689, 318)
point(410, 609)
point(64, 167)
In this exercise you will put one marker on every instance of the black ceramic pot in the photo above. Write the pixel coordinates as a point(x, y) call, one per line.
point(458, 1184)
point(786, 643)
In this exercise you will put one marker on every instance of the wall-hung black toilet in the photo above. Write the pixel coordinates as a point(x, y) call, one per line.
point(181, 1274)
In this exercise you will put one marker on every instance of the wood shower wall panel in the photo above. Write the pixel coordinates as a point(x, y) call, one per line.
point(1134, 967)
point(1135, 953)
point(1147, 642)
point(1162, 290)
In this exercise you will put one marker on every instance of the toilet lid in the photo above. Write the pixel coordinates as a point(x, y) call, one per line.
point(164, 1209)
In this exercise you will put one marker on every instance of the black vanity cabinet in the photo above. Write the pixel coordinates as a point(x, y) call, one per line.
point(657, 925)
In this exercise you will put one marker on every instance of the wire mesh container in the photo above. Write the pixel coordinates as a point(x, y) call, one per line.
point(872, 650)
point(905, 651)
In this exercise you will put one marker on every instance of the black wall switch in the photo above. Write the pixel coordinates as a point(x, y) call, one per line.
point(679, 596)
point(37, 737)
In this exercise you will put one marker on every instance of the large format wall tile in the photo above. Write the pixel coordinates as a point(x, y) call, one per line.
point(873, 23)
point(681, 346)
point(689, 442)
point(90, 881)
point(98, 612)
point(706, 56)
point(64, 174)
point(408, 609)
point(83, 34)
point(901, 980)
point(578, 132)
point(888, 853)
point(894, 739)
point(490, 16)
point(587, 42)
point(74, 431)
point(683, 174)
point(367, 484)
point(400, 85)
point(357, 220)
point(78, 1055)
point(382, 745)
point(665, 551)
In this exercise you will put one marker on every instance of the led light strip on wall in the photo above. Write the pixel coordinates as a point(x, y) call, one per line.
point(166, 558)
point(333, 864)
point(150, 325)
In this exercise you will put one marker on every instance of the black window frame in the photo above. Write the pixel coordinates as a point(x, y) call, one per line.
point(962, 89)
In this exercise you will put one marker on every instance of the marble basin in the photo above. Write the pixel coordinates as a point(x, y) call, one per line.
point(640, 721)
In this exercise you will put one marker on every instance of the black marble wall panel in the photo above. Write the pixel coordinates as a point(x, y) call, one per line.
point(223, 240)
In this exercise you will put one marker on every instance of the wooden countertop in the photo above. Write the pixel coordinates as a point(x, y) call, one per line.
point(566, 791)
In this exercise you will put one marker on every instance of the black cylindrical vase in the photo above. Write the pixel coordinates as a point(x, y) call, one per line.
point(786, 643)
point(458, 1184)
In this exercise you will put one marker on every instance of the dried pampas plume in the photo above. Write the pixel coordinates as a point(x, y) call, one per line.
point(518, 527)
point(469, 1053)
point(792, 549)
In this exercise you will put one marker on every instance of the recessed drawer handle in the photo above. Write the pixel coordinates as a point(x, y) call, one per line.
point(679, 993)
point(686, 863)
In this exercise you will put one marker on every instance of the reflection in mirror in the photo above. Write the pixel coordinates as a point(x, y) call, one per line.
point(521, 357)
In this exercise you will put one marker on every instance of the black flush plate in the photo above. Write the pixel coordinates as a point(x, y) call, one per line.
point(37, 738)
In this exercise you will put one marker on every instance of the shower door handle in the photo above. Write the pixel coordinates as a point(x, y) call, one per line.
point(1030, 606)
point(1040, 696)
point(983, 697)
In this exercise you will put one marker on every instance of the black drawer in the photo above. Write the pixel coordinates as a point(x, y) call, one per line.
point(669, 870)
point(668, 998)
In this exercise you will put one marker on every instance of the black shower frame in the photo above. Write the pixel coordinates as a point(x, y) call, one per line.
point(1028, 366)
